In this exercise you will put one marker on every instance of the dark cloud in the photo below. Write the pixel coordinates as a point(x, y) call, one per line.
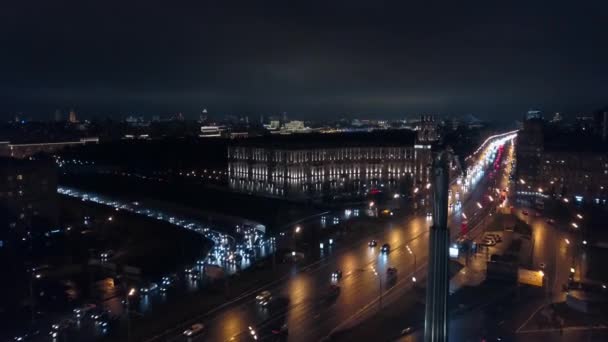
point(309, 58)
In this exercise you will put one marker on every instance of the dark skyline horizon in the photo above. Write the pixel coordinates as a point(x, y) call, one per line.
point(319, 60)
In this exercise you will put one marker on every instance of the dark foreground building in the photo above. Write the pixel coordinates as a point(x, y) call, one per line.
point(28, 197)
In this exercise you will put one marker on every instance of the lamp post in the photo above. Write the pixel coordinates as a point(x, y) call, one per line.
point(414, 255)
point(296, 231)
point(131, 293)
point(379, 288)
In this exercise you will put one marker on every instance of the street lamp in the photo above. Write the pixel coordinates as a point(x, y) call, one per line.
point(479, 205)
point(380, 286)
point(574, 225)
point(131, 293)
point(579, 216)
point(567, 241)
point(296, 231)
point(412, 253)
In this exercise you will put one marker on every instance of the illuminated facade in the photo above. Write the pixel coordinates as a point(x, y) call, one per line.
point(330, 173)
point(553, 163)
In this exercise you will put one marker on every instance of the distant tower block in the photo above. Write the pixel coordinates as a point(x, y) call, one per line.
point(72, 117)
point(427, 129)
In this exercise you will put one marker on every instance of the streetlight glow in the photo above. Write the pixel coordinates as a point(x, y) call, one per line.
point(297, 229)
point(479, 205)
point(567, 241)
point(572, 270)
point(428, 186)
point(574, 225)
point(131, 292)
point(579, 216)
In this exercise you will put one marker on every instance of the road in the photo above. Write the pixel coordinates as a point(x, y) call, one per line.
point(302, 300)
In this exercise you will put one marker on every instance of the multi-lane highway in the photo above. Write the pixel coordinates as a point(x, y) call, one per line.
point(303, 301)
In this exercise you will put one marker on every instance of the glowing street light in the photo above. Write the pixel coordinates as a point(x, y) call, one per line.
point(522, 181)
point(490, 198)
point(479, 205)
point(297, 229)
point(416, 190)
point(464, 216)
point(131, 292)
point(540, 190)
point(371, 204)
point(579, 216)
point(428, 186)
point(572, 270)
point(567, 241)
point(574, 225)
point(584, 242)
point(566, 200)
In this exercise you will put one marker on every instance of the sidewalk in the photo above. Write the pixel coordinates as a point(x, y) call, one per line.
point(472, 274)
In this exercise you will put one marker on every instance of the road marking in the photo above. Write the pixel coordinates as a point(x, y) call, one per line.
point(575, 328)
point(529, 318)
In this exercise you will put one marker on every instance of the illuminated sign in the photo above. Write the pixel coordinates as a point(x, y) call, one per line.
point(422, 147)
point(454, 252)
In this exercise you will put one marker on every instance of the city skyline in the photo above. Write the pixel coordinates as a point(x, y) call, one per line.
point(310, 61)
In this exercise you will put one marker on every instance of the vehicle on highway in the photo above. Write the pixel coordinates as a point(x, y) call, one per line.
point(195, 329)
point(82, 311)
point(391, 271)
point(264, 298)
point(386, 248)
point(59, 328)
point(107, 254)
point(372, 243)
point(281, 330)
point(334, 290)
point(407, 331)
point(336, 275)
point(148, 288)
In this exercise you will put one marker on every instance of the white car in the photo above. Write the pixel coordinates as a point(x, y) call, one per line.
point(194, 330)
point(264, 298)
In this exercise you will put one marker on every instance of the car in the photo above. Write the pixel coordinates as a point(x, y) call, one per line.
point(264, 298)
point(195, 329)
point(391, 271)
point(372, 243)
point(336, 275)
point(98, 313)
point(282, 330)
point(334, 290)
point(58, 328)
point(81, 312)
point(525, 212)
point(386, 248)
point(148, 288)
point(407, 331)
point(107, 254)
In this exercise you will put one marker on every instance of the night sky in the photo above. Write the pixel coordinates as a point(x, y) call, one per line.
point(309, 59)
